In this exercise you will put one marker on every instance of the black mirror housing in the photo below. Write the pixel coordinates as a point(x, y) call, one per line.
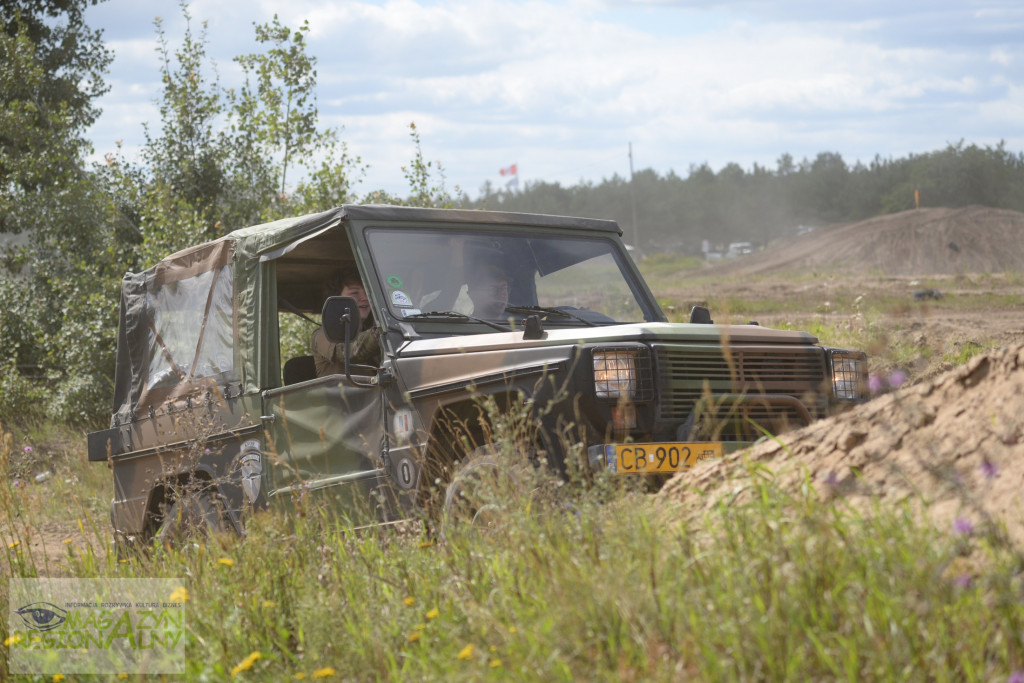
point(700, 315)
point(340, 319)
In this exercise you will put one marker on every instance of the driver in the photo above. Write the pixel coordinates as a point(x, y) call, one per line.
point(328, 357)
point(488, 287)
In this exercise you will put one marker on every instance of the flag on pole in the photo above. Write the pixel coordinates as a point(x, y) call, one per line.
point(513, 172)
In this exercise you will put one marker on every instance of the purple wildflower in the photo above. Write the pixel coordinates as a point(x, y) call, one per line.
point(964, 581)
point(832, 479)
point(897, 378)
point(990, 471)
point(874, 384)
point(28, 449)
point(1016, 677)
point(963, 526)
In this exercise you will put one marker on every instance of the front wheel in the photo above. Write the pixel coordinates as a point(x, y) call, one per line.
point(489, 487)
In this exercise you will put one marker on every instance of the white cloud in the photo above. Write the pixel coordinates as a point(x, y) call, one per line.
point(562, 87)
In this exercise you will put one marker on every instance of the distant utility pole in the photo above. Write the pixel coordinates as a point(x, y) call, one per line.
point(632, 196)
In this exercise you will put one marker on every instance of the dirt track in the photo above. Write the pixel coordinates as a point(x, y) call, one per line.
point(918, 243)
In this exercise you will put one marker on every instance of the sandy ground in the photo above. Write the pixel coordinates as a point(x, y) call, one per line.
point(951, 439)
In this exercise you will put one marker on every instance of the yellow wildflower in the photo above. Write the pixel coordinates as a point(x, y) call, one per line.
point(414, 636)
point(409, 601)
point(495, 663)
point(57, 678)
point(246, 663)
point(466, 652)
point(269, 603)
point(12, 640)
point(432, 614)
point(179, 594)
point(12, 546)
point(511, 629)
point(122, 677)
point(68, 541)
point(226, 562)
point(325, 672)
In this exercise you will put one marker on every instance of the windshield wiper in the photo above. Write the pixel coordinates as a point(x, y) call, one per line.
point(526, 310)
point(454, 315)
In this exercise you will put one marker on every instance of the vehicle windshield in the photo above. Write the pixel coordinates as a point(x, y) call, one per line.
point(505, 276)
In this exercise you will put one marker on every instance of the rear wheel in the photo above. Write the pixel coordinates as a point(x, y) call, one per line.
point(194, 514)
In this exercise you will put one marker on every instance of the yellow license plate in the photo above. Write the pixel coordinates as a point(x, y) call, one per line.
point(652, 458)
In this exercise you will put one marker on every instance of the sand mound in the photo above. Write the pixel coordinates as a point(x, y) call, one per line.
point(920, 242)
point(954, 446)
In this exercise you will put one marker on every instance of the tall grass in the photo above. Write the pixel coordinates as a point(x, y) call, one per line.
point(614, 586)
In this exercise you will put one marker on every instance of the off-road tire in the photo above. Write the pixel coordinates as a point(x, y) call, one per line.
point(194, 514)
point(487, 487)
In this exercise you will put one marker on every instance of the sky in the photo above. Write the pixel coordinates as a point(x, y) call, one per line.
point(565, 89)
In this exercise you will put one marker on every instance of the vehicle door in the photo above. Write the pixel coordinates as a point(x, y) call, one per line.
point(325, 439)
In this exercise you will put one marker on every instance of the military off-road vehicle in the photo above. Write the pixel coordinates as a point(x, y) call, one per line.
point(211, 420)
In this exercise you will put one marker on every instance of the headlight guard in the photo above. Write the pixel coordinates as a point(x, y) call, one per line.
point(623, 372)
point(849, 374)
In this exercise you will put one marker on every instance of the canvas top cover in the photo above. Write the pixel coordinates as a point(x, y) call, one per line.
point(198, 322)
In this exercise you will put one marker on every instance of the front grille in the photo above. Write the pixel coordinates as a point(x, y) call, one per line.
point(684, 371)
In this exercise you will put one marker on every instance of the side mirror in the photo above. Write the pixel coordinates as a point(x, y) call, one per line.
point(700, 315)
point(340, 319)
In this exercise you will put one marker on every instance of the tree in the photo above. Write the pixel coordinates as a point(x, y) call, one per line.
point(55, 302)
point(418, 174)
point(184, 162)
point(51, 72)
point(281, 103)
point(275, 134)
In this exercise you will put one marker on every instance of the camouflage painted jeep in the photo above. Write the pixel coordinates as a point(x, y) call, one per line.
point(211, 421)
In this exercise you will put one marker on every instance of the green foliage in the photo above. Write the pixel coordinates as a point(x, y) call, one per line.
point(51, 70)
point(425, 191)
point(53, 292)
point(184, 170)
point(20, 396)
point(964, 353)
point(278, 111)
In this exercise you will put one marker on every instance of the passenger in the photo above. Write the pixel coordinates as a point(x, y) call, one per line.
point(329, 357)
point(488, 288)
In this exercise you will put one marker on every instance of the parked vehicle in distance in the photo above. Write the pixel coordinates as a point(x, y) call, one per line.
point(739, 249)
point(523, 312)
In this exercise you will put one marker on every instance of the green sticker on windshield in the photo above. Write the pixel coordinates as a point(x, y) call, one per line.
point(394, 281)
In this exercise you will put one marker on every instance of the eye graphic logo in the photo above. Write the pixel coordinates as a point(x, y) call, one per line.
point(42, 616)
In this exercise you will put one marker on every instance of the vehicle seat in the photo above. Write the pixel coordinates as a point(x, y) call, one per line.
point(299, 369)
